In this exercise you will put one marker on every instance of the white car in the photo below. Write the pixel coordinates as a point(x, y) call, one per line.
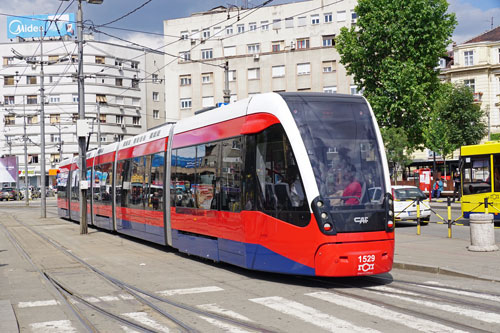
point(405, 204)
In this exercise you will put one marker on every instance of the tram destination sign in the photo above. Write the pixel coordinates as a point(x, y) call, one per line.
point(53, 25)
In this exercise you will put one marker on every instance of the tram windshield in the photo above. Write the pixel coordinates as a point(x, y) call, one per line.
point(340, 138)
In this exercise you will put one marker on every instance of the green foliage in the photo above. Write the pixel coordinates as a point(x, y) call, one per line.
point(396, 143)
point(455, 120)
point(392, 54)
point(495, 136)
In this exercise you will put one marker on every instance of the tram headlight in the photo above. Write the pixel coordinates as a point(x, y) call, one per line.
point(324, 216)
point(319, 204)
point(390, 213)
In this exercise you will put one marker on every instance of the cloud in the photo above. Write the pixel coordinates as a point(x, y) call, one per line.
point(472, 21)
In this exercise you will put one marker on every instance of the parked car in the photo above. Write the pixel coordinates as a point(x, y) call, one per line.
point(10, 193)
point(405, 204)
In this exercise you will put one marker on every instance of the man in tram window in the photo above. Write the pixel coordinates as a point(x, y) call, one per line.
point(352, 192)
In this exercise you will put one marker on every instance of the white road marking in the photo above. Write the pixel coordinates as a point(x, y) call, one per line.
point(58, 326)
point(92, 299)
point(37, 303)
point(310, 315)
point(143, 318)
point(384, 313)
point(109, 298)
point(475, 314)
point(189, 291)
point(126, 297)
point(228, 313)
point(127, 329)
point(225, 327)
point(463, 292)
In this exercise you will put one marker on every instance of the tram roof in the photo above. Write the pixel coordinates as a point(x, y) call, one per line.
point(490, 147)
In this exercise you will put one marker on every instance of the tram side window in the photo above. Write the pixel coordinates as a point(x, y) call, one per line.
point(156, 179)
point(184, 177)
point(173, 193)
point(232, 164)
point(280, 189)
point(496, 172)
point(207, 161)
point(122, 182)
point(62, 184)
point(103, 175)
point(137, 174)
point(75, 188)
point(476, 175)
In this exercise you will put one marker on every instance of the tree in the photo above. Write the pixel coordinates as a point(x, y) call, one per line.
point(396, 143)
point(392, 53)
point(455, 120)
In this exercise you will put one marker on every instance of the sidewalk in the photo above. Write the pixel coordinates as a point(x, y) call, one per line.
point(445, 256)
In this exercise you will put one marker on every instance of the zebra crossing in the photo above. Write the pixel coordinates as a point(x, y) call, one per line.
point(298, 310)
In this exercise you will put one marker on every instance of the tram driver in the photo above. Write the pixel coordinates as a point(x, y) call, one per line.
point(352, 192)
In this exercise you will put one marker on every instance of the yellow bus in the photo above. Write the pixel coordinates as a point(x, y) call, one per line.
point(480, 178)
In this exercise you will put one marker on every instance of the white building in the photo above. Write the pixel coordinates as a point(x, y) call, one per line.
point(124, 95)
point(287, 47)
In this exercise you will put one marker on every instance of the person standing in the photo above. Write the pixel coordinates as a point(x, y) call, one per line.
point(456, 186)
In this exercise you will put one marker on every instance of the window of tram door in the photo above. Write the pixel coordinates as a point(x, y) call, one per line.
point(75, 179)
point(155, 184)
point(184, 178)
point(496, 173)
point(207, 159)
point(231, 170)
point(477, 175)
point(137, 175)
point(280, 190)
point(122, 182)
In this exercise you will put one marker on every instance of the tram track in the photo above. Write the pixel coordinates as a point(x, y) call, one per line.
point(72, 298)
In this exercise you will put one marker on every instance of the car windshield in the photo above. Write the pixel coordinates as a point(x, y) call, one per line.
point(409, 193)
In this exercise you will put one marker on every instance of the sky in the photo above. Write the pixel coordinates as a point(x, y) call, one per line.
point(474, 16)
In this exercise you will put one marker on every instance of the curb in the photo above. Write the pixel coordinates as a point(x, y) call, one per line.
point(439, 270)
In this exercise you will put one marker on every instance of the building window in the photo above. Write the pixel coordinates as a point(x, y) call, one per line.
point(252, 26)
point(55, 118)
point(254, 73)
point(8, 100)
point(304, 69)
point(217, 31)
point(229, 51)
point(205, 33)
point(30, 79)
point(119, 99)
point(156, 114)
point(206, 78)
point(328, 40)
point(154, 78)
point(119, 137)
point(355, 91)
point(206, 54)
point(32, 99)
point(341, 16)
point(8, 61)
point(471, 83)
point(289, 22)
point(185, 80)
point(33, 159)
point(442, 63)
point(277, 45)
point(55, 99)
point(253, 48)
point(232, 75)
point(315, 19)
point(134, 64)
point(74, 98)
point(185, 56)
point(135, 83)
point(136, 120)
point(469, 58)
point(8, 80)
point(241, 28)
point(118, 62)
point(10, 120)
point(195, 34)
point(103, 138)
point(264, 25)
point(302, 21)
point(302, 43)
point(119, 119)
point(32, 120)
point(229, 30)
point(185, 103)
point(278, 71)
point(330, 90)
point(100, 98)
point(118, 82)
point(156, 96)
point(329, 66)
point(100, 60)
point(54, 158)
point(328, 17)
point(207, 101)
point(276, 24)
point(54, 138)
point(136, 101)
point(74, 59)
point(354, 16)
point(184, 35)
point(102, 118)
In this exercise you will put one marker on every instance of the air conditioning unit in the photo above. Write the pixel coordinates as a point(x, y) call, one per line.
point(122, 125)
point(353, 21)
point(292, 45)
point(256, 57)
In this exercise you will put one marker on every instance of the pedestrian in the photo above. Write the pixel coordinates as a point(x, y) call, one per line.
point(456, 186)
point(435, 188)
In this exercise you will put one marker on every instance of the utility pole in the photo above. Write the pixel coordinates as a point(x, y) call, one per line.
point(227, 92)
point(42, 130)
point(60, 143)
point(25, 140)
point(98, 125)
point(81, 115)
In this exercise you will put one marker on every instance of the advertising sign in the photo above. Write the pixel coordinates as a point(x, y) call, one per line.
point(8, 169)
point(30, 26)
point(425, 179)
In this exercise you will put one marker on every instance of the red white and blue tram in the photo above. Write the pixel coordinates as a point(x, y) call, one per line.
point(294, 183)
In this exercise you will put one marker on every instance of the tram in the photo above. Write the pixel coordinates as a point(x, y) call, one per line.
point(294, 183)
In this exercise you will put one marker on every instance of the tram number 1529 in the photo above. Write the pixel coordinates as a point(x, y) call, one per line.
point(366, 263)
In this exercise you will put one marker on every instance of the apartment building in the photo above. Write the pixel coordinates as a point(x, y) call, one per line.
point(289, 47)
point(124, 95)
